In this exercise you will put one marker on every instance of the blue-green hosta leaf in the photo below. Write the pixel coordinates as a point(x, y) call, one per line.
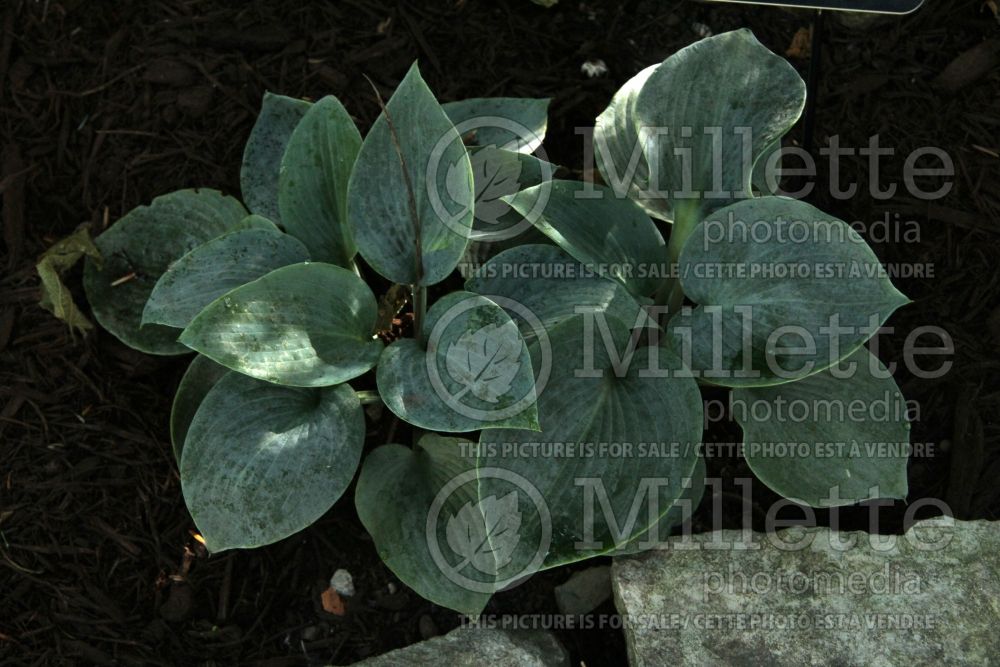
point(480, 252)
point(766, 178)
point(139, 248)
point(201, 375)
point(619, 153)
point(279, 115)
point(614, 431)
point(774, 278)
point(512, 123)
point(261, 462)
point(540, 286)
point(474, 373)
point(254, 221)
point(838, 437)
point(312, 186)
point(679, 513)
point(210, 270)
point(702, 118)
point(598, 228)
point(398, 490)
point(379, 196)
point(305, 325)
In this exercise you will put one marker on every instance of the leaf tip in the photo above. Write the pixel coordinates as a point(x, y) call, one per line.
point(189, 339)
point(414, 70)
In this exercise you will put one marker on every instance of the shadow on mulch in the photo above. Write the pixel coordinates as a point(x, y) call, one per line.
point(105, 106)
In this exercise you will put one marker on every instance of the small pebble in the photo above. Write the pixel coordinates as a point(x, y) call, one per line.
point(701, 30)
point(342, 582)
point(332, 602)
point(594, 67)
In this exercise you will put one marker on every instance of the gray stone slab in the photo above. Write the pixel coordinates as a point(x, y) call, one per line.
point(930, 597)
point(472, 646)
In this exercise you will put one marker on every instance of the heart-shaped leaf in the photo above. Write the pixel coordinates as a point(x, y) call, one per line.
point(783, 291)
point(261, 462)
point(201, 375)
point(312, 186)
point(474, 373)
point(409, 501)
point(279, 115)
point(210, 270)
point(598, 228)
point(305, 325)
point(618, 431)
point(691, 129)
point(515, 124)
point(139, 248)
point(540, 286)
point(838, 437)
point(410, 197)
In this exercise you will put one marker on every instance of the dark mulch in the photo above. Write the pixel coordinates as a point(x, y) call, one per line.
point(105, 105)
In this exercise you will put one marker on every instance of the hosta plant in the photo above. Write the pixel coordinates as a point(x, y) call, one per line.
point(566, 367)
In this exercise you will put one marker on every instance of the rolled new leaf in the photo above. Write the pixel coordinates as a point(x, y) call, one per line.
point(411, 196)
point(304, 325)
point(139, 248)
point(261, 462)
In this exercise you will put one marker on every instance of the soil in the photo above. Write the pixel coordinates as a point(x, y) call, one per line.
point(105, 105)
